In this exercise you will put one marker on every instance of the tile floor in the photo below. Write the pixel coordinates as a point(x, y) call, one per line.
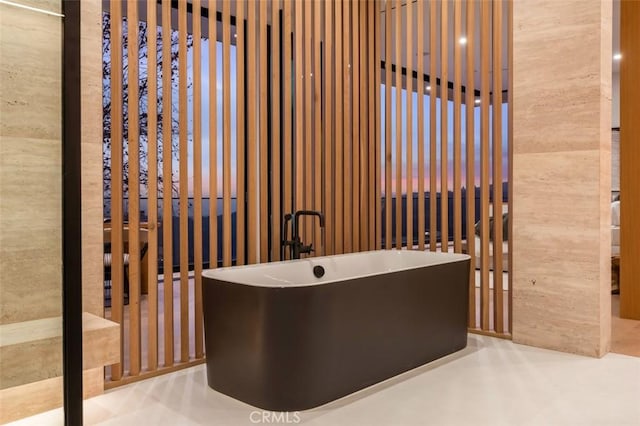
point(491, 382)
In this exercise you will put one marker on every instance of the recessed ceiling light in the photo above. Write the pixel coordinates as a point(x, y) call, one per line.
point(477, 101)
point(617, 56)
point(235, 35)
point(428, 87)
point(463, 40)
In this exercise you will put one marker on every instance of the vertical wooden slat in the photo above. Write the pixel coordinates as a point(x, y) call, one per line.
point(510, 159)
point(356, 217)
point(134, 191)
point(378, 120)
point(388, 61)
point(420, 47)
point(307, 144)
point(372, 123)
point(398, 38)
point(167, 184)
point(470, 160)
point(316, 79)
point(329, 170)
point(433, 82)
point(264, 135)
point(444, 126)
point(152, 144)
point(457, 128)
point(498, 307)
point(365, 148)
point(183, 182)
point(339, 149)
point(299, 106)
point(484, 165)
point(288, 113)
point(213, 138)
point(117, 266)
point(197, 178)
point(347, 136)
point(409, 85)
point(226, 132)
point(252, 136)
point(240, 133)
point(276, 131)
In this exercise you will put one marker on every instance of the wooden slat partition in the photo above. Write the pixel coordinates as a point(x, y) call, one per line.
point(264, 133)
point(348, 120)
point(355, 125)
point(241, 142)
point(454, 38)
point(409, 130)
point(444, 126)
point(498, 305)
point(184, 177)
point(420, 119)
point(388, 171)
point(167, 186)
point(328, 131)
point(339, 133)
point(398, 73)
point(117, 265)
point(470, 156)
point(287, 114)
point(484, 163)
point(322, 150)
point(197, 179)
point(276, 132)
point(318, 161)
point(152, 144)
point(457, 127)
point(252, 137)
point(134, 191)
point(433, 188)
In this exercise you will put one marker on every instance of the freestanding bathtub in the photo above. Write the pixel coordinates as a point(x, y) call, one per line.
point(282, 339)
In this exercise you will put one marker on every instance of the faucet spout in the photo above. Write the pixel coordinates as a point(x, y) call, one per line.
point(297, 246)
point(310, 213)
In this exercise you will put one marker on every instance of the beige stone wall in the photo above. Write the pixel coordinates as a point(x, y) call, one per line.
point(30, 164)
point(562, 174)
point(92, 247)
point(31, 208)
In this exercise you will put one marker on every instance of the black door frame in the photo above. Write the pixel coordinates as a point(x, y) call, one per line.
point(71, 214)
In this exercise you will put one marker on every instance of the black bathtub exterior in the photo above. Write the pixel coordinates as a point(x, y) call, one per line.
point(295, 348)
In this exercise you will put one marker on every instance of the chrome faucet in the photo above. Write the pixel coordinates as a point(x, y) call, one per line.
point(297, 247)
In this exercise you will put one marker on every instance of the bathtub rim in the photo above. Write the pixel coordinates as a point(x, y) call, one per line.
point(214, 274)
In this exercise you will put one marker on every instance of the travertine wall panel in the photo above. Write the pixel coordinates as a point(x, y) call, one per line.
point(30, 165)
point(562, 175)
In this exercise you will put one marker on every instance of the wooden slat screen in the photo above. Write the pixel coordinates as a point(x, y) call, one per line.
point(432, 153)
point(296, 117)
